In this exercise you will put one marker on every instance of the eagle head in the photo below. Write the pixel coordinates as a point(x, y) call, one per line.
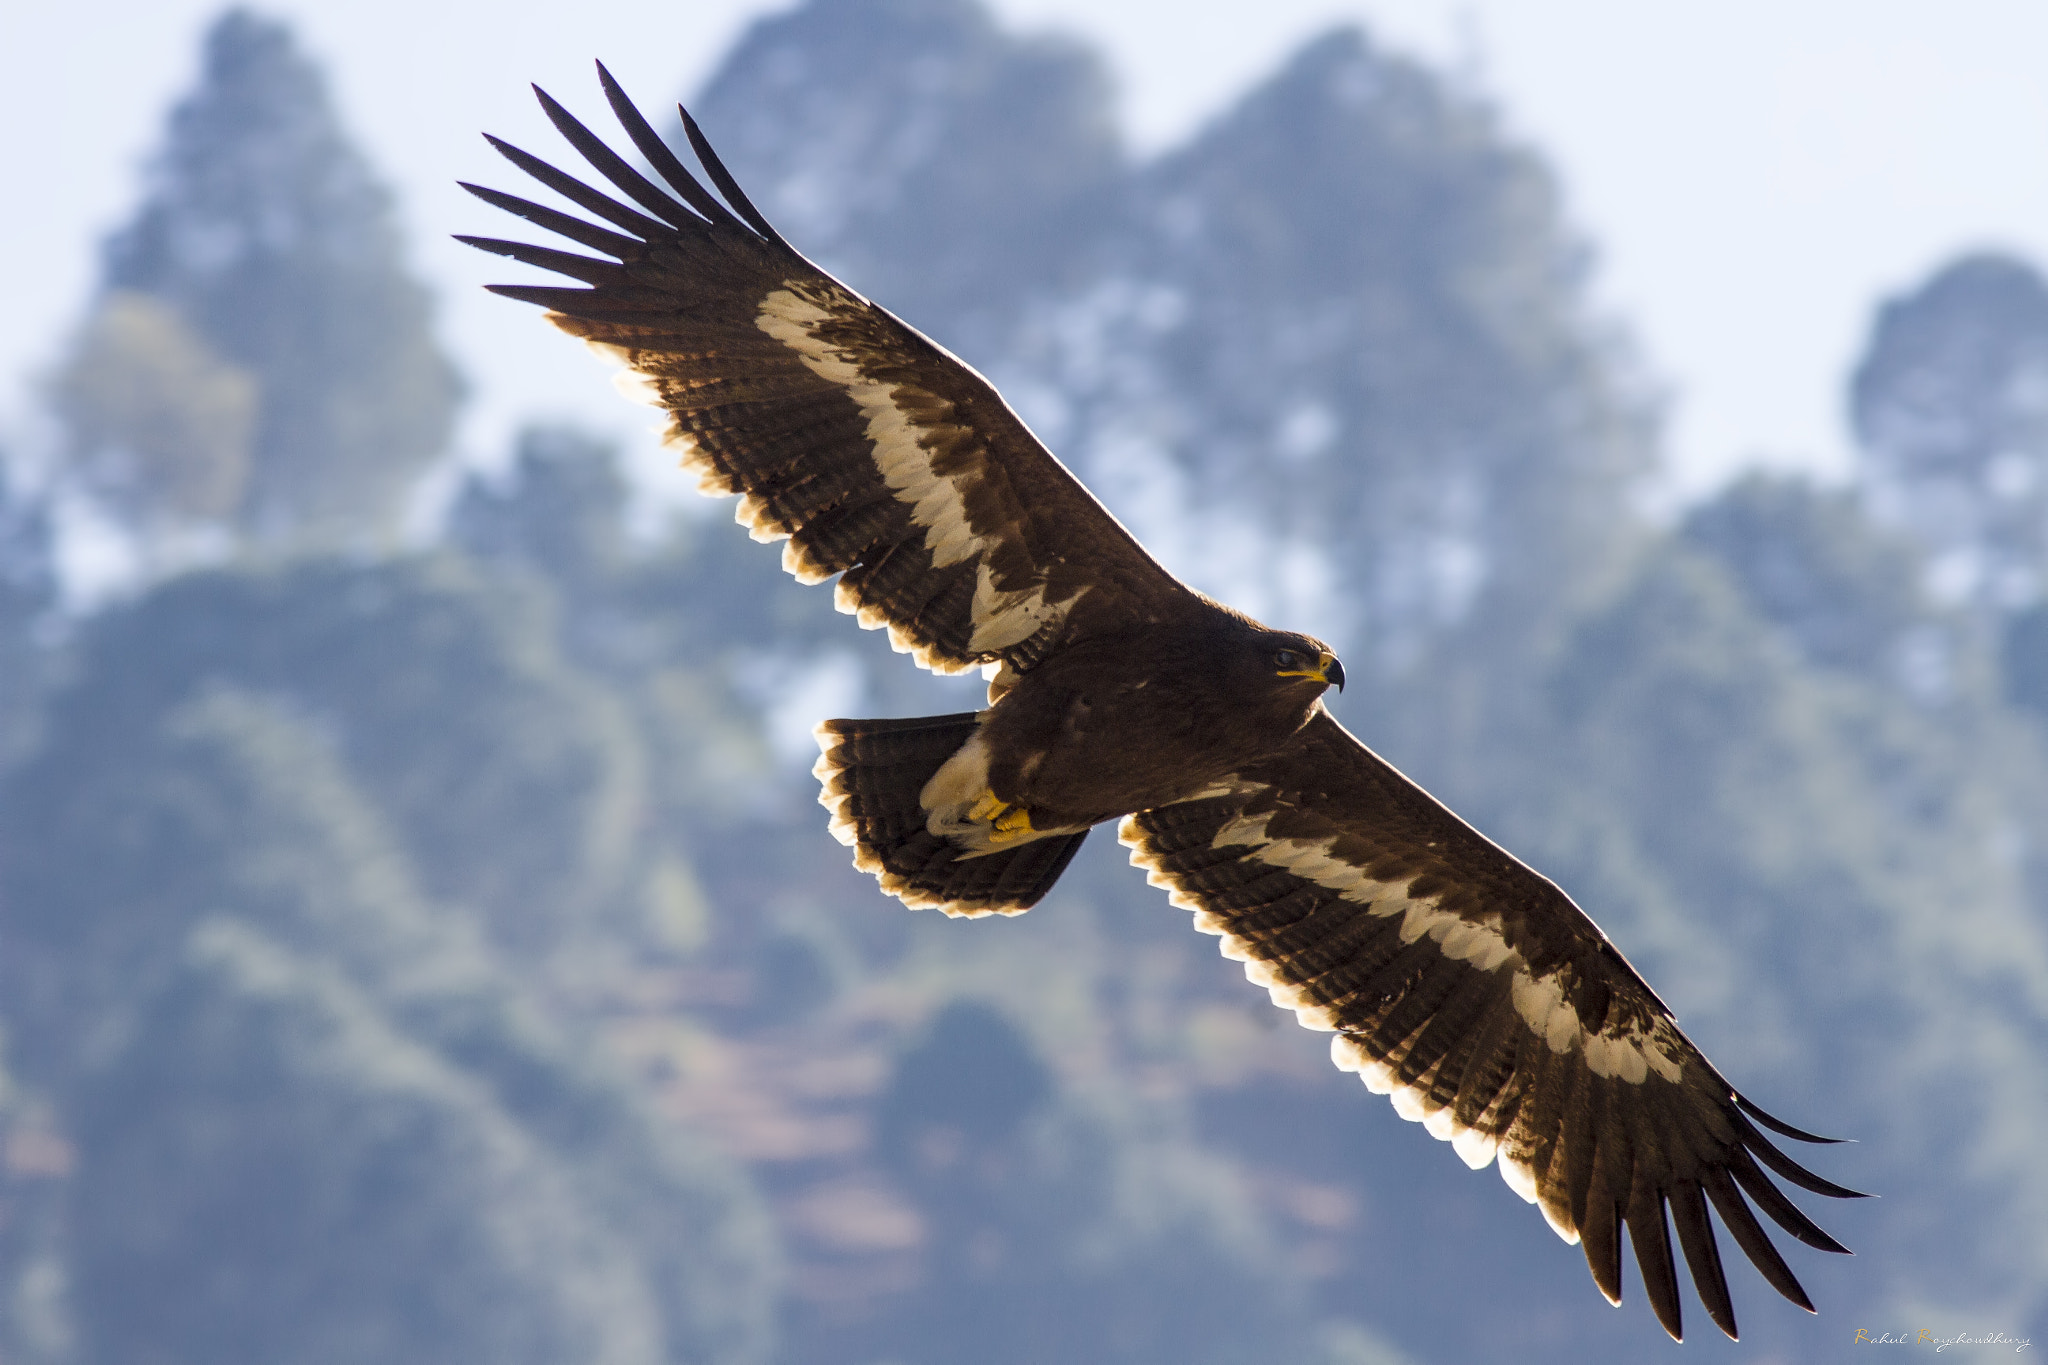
point(1307, 658)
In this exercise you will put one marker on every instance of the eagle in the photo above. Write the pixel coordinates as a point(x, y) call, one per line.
point(1452, 978)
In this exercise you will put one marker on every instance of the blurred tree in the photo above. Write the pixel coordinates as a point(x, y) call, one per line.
point(971, 1081)
point(678, 627)
point(560, 510)
point(315, 1121)
point(946, 167)
point(2025, 660)
point(1355, 282)
point(1845, 591)
point(28, 593)
point(159, 426)
point(513, 781)
point(1950, 407)
point(265, 234)
point(556, 520)
point(276, 1173)
point(1060, 1228)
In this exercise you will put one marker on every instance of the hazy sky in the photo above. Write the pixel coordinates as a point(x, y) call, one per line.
point(1755, 175)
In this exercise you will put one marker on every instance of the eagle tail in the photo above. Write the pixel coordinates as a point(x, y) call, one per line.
point(874, 774)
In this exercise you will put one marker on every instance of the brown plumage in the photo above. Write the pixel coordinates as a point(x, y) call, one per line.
point(1453, 978)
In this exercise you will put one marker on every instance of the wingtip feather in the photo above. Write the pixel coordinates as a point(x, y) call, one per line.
point(1778, 1125)
point(1703, 1255)
point(665, 162)
point(723, 179)
point(613, 167)
point(1651, 1238)
point(1761, 1148)
point(1751, 1237)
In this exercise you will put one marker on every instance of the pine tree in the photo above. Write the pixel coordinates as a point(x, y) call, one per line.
point(1844, 590)
point(946, 167)
point(266, 236)
point(560, 513)
point(1950, 405)
point(159, 426)
point(1357, 282)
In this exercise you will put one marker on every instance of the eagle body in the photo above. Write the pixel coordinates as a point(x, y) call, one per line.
point(1123, 723)
point(1452, 977)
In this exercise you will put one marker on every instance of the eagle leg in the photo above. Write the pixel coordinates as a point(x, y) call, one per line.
point(915, 811)
point(1006, 823)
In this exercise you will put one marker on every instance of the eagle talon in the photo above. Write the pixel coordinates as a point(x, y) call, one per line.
point(1006, 823)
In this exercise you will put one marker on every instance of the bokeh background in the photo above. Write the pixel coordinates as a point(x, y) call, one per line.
point(418, 940)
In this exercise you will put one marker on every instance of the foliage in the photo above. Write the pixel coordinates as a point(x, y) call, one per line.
point(226, 975)
point(1052, 1229)
point(160, 426)
point(510, 780)
point(558, 513)
point(1846, 592)
point(267, 237)
point(1950, 405)
point(1356, 281)
point(908, 143)
point(2025, 660)
point(28, 595)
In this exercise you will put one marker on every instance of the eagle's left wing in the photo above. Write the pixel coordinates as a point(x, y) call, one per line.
point(1472, 992)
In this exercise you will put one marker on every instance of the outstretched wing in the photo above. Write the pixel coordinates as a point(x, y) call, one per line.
point(1471, 991)
point(872, 451)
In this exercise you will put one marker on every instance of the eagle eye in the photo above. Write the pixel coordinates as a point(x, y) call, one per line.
point(1287, 658)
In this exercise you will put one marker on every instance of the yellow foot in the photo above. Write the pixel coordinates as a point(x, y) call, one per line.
point(1006, 823)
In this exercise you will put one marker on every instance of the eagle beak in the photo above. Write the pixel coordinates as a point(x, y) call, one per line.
point(1330, 670)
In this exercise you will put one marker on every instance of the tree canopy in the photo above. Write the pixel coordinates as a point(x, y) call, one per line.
point(258, 299)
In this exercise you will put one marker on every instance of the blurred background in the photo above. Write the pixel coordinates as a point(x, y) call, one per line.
point(418, 938)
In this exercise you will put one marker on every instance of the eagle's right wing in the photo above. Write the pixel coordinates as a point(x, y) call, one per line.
point(875, 453)
point(1471, 991)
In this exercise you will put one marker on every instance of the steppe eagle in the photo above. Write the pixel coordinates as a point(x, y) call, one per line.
point(1453, 978)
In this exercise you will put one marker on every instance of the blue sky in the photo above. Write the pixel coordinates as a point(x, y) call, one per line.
point(1754, 175)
